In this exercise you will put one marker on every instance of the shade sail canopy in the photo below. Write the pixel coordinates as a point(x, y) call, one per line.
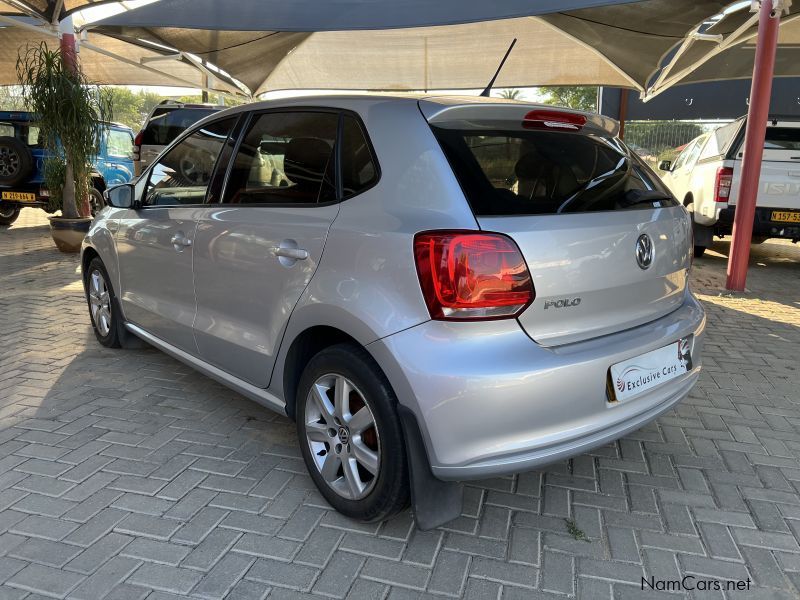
point(48, 10)
point(133, 65)
point(646, 45)
point(336, 15)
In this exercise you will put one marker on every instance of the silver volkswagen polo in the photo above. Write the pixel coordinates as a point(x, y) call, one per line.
point(434, 289)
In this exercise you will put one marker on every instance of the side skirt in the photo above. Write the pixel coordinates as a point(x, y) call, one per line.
point(252, 392)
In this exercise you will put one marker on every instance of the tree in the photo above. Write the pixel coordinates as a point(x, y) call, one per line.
point(11, 98)
point(512, 94)
point(131, 108)
point(577, 97)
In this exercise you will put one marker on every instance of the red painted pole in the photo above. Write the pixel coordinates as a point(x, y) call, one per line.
point(757, 115)
point(69, 51)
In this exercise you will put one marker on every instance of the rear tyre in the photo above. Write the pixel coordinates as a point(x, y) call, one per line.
point(350, 435)
point(103, 305)
point(8, 214)
point(699, 251)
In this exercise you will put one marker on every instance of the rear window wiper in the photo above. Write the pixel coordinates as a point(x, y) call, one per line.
point(634, 197)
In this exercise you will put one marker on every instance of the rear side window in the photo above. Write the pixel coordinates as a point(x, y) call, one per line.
point(359, 170)
point(720, 140)
point(285, 158)
point(519, 172)
point(782, 138)
point(166, 124)
point(25, 132)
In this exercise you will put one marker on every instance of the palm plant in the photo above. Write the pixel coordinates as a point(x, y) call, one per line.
point(70, 114)
point(511, 94)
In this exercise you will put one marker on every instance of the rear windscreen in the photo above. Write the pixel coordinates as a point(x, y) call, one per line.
point(782, 138)
point(166, 124)
point(543, 172)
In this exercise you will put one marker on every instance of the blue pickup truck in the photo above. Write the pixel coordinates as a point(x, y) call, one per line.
point(22, 157)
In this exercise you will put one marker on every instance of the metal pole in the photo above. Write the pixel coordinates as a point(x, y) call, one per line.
point(766, 46)
point(623, 111)
point(69, 51)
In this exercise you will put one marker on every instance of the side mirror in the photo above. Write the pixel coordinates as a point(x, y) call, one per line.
point(119, 196)
point(665, 165)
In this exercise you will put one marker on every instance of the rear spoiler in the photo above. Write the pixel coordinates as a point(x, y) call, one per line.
point(485, 114)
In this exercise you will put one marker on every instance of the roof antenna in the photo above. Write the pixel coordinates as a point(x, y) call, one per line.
point(488, 89)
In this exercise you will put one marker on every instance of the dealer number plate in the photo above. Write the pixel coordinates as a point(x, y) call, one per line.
point(19, 196)
point(786, 216)
point(637, 375)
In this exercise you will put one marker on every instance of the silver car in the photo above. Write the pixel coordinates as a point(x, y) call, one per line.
point(435, 289)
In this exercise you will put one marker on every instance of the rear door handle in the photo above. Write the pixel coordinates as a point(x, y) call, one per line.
point(180, 241)
point(293, 253)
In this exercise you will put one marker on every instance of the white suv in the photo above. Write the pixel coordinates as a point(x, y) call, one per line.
point(706, 178)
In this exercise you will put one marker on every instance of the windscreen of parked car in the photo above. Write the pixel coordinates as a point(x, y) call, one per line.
point(518, 172)
point(285, 158)
point(168, 123)
point(120, 144)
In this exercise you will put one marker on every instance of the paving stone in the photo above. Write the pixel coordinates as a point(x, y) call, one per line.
point(46, 581)
point(164, 578)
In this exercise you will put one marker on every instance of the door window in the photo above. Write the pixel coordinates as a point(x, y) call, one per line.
point(684, 156)
point(285, 158)
point(120, 144)
point(183, 174)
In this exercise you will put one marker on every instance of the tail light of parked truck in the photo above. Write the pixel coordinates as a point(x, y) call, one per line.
point(472, 275)
point(722, 184)
point(137, 145)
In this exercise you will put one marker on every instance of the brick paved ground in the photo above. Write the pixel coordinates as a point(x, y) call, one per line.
point(125, 475)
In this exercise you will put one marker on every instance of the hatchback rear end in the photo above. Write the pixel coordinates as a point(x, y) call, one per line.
point(564, 319)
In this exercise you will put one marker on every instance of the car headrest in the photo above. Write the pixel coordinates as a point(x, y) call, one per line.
point(530, 165)
point(305, 160)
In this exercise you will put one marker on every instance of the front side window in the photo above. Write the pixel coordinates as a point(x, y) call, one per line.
point(285, 158)
point(120, 144)
point(518, 172)
point(183, 174)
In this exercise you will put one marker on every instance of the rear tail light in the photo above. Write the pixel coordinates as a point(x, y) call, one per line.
point(722, 184)
point(472, 275)
point(137, 145)
point(553, 119)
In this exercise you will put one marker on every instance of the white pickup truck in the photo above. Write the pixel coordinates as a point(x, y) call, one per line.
point(706, 177)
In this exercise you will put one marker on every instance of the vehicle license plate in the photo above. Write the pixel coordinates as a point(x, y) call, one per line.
point(637, 375)
point(19, 196)
point(786, 216)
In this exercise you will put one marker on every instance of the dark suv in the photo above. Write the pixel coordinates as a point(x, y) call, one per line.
point(22, 158)
point(167, 121)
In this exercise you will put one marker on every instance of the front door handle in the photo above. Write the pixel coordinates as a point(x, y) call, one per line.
point(180, 241)
point(293, 253)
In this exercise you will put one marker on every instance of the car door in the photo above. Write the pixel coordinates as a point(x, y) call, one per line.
point(681, 174)
point(256, 252)
point(154, 240)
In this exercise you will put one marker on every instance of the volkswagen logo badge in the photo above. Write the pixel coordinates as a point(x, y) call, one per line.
point(644, 251)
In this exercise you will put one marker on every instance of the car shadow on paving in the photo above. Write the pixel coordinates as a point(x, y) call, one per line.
point(125, 474)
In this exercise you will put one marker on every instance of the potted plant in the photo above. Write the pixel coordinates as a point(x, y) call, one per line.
point(71, 114)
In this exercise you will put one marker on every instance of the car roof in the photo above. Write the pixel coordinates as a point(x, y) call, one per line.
point(432, 105)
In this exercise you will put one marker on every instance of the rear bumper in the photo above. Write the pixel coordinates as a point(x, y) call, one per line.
point(763, 225)
point(490, 401)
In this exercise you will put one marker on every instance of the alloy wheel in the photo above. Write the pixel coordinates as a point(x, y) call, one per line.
point(7, 210)
point(343, 436)
point(9, 162)
point(99, 302)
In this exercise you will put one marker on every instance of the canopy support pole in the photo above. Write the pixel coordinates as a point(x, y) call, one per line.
point(69, 49)
point(757, 115)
